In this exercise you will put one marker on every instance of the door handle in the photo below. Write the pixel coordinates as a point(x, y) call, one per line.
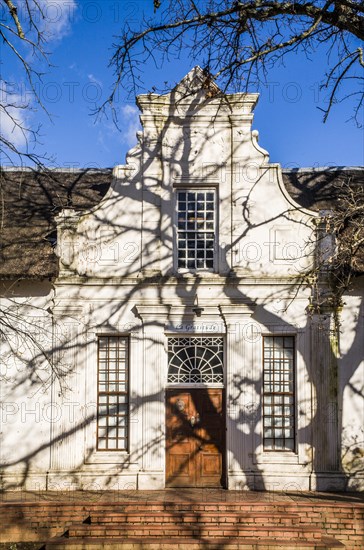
point(194, 420)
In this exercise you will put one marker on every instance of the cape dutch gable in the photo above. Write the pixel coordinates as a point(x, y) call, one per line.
point(177, 346)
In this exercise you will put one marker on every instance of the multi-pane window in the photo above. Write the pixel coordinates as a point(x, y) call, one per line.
point(196, 229)
point(195, 360)
point(278, 393)
point(113, 402)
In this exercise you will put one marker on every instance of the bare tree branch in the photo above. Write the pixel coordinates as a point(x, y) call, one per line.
point(23, 41)
point(240, 39)
point(13, 10)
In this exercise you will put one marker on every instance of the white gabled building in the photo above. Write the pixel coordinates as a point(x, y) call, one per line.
point(176, 345)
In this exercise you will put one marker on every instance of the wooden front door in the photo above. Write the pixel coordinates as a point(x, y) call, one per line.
point(195, 438)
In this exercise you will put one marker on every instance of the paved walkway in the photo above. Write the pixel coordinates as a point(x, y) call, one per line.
point(178, 495)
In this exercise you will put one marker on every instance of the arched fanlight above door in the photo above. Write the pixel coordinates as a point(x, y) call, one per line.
point(195, 360)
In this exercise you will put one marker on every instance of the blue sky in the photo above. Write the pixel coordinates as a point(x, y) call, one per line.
point(81, 36)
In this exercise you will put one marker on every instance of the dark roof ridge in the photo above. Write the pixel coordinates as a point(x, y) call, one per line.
point(323, 169)
point(109, 168)
point(55, 169)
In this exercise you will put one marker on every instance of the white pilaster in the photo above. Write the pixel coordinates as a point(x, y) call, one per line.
point(236, 317)
point(152, 396)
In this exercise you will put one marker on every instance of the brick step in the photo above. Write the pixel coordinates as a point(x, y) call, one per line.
point(34, 512)
point(226, 506)
point(39, 514)
point(345, 510)
point(17, 533)
point(39, 520)
point(22, 545)
point(164, 543)
point(25, 531)
point(127, 530)
point(253, 506)
point(260, 518)
point(20, 509)
point(32, 529)
point(20, 535)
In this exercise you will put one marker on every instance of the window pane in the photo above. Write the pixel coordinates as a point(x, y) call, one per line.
point(113, 403)
point(278, 393)
point(195, 360)
point(196, 229)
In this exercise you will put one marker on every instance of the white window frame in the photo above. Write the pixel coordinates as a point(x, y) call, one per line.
point(109, 393)
point(194, 385)
point(201, 189)
point(294, 395)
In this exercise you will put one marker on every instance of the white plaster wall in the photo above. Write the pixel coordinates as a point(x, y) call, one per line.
point(117, 277)
point(351, 385)
point(25, 383)
point(116, 308)
point(190, 142)
point(91, 309)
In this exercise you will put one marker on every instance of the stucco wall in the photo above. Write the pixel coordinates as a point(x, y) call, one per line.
point(118, 276)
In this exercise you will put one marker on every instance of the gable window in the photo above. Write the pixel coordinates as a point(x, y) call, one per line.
point(113, 399)
point(278, 393)
point(196, 229)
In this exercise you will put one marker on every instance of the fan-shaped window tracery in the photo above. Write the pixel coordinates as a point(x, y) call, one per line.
point(195, 360)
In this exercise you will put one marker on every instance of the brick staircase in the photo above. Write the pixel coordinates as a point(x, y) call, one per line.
point(28, 521)
point(283, 522)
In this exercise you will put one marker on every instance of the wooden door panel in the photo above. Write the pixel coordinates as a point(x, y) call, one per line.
point(210, 464)
point(179, 445)
point(180, 464)
point(195, 436)
point(211, 401)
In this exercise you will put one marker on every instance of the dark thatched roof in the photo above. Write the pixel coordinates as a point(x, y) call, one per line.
point(340, 190)
point(30, 200)
point(318, 189)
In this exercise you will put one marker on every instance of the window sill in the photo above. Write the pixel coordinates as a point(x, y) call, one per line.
point(193, 272)
point(109, 457)
point(277, 457)
point(192, 386)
